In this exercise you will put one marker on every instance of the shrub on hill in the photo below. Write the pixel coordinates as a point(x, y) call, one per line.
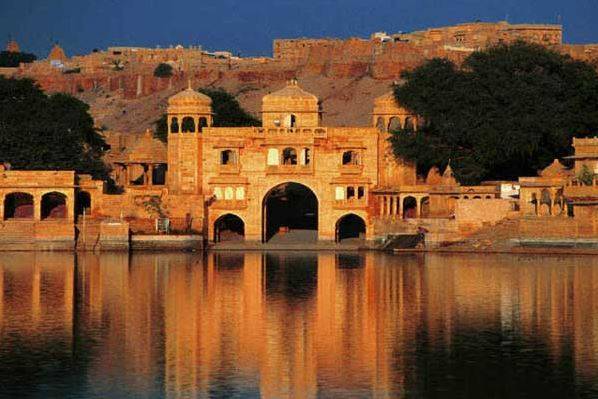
point(163, 71)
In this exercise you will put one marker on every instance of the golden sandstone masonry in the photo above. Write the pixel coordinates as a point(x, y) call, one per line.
point(236, 183)
point(294, 173)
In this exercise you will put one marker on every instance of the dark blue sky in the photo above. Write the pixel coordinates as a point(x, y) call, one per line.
point(248, 26)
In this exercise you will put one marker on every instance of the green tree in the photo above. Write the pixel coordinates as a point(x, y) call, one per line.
point(41, 132)
point(9, 59)
point(227, 113)
point(507, 111)
point(163, 71)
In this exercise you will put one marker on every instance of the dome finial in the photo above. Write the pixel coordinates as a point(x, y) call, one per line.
point(189, 84)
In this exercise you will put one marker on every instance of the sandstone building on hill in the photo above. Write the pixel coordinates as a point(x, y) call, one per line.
point(290, 180)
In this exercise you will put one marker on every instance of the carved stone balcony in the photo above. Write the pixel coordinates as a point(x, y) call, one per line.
point(231, 169)
point(351, 169)
point(229, 204)
point(289, 169)
point(353, 203)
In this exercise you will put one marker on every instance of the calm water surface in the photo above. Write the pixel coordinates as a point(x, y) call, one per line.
point(298, 325)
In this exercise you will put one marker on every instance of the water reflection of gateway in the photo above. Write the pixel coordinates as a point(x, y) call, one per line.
point(286, 325)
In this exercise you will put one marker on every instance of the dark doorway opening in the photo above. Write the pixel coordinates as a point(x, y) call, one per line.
point(54, 206)
point(83, 203)
point(350, 227)
point(229, 228)
point(409, 208)
point(290, 213)
point(18, 206)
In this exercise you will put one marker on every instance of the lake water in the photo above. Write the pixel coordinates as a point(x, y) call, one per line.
point(283, 325)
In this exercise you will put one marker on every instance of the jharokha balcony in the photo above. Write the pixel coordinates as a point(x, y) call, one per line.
point(352, 203)
point(289, 169)
point(229, 204)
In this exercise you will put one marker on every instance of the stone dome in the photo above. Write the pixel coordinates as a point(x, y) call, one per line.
point(291, 98)
point(387, 104)
point(190, 102)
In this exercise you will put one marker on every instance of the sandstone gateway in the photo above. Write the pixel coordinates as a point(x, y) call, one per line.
point(295, 179)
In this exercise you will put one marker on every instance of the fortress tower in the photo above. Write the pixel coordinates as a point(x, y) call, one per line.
point(388, 116)
point(188, 113)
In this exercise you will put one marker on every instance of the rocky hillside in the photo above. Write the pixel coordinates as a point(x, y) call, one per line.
point(346, 102)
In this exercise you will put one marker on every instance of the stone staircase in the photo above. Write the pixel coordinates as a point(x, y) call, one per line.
point(17, 234)
point(495, 237)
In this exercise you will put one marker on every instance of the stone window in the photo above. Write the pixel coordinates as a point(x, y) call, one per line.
point(273, 158)
point(351, 158)
point(174, 125)
point(228, 157)
point(394, 124)
point(380, 124)
point(229, 194)
point(350, 193)
point(188, 125)
point(159, 174)
point(409, 125)
point(203, 122)
point(240, 193)
point(339, 193)
point(218, 193)
point(289, 156)
point(305, 156)
point(360, 192)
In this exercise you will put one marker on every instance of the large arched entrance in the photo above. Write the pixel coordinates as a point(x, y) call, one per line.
point(350, 228)
point(229, 227)
point(290, 214)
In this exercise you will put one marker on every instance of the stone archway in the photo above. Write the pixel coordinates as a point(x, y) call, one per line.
point(229, 227)
point(290, 214)
point(409, 207)
point(350, 227)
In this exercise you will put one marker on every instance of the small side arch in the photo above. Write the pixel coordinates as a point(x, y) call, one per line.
point(18, 206)
point(229, 227)
point(350, 226)
point(53, 206)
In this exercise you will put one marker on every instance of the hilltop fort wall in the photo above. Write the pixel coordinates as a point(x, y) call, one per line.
point(381, 57)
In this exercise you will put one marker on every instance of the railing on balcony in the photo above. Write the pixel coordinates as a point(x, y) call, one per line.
point(352, 203)
point(289, 169)
point(351, 169)
point(231, 169)
point(315, 131)
point(229, 204)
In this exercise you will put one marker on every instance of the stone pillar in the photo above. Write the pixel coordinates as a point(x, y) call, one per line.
point(388, 213)
point(381, 205)
point(37, 207)
point(418, 209)
point(150, 177)
point(400, 207)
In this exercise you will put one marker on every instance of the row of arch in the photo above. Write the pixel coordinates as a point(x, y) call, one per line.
point(408, 207)
point(230, 227)
point(395, 123)
point(21, 205)
point(549, 204)
point(187, 125)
